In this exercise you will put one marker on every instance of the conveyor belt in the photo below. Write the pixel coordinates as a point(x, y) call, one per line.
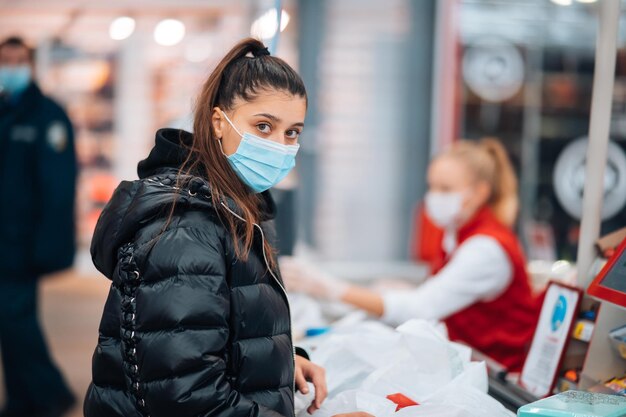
point(509, 394)
point(512, 396)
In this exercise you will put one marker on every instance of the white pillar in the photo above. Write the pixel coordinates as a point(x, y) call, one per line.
point(601, 102)
point(133, 106)
point(446, 65)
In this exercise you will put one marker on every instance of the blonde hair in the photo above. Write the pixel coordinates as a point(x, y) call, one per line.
point(487, 159)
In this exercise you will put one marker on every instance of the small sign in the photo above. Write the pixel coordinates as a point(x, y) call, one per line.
point(552, 335)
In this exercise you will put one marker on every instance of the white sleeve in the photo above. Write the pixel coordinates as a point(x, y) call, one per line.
point(479, 270)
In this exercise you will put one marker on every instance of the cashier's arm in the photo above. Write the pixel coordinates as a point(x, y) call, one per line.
point(479, 270)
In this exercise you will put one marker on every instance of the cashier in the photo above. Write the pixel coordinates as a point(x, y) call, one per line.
point(479, 286)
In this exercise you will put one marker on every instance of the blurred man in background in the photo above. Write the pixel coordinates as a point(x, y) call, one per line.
point(37, 181)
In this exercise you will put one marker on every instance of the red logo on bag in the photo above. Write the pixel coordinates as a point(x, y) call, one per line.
point(401, 401)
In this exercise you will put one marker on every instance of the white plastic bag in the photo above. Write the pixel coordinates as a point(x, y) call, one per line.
point(354, 400)
point(351, 353)
point(433, 410)
point(468, 391)
point(367, 361)
point(472, 401)
point(432, 350)
point(404, 378)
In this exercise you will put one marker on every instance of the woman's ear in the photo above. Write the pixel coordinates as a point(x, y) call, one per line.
point(217, 122)
point(483, 191)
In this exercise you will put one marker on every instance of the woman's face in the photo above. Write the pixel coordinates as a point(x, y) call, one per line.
point(447, 174)
point(272, 115)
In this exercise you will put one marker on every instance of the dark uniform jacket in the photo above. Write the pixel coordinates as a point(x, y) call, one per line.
point(37, 184)
point(187, 329)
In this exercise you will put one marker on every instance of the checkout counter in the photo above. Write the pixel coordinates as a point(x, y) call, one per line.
point(579, 344)
point(590, 360)
point(591, 357)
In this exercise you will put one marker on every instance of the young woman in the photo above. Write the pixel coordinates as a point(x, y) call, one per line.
point(479, 285)
point(197, 320)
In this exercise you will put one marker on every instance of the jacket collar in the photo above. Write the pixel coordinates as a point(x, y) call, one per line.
point(198, 187)
point(26, 98)
point(25, 102)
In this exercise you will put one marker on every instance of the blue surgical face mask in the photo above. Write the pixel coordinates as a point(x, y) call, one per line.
point(14, 80)
point(261, 163)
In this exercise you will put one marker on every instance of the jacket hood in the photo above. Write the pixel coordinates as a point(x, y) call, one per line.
point(135, 204)
point(169, 152)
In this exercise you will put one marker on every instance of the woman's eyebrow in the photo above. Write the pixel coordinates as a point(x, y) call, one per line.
point(276, 119)
point(269, 116)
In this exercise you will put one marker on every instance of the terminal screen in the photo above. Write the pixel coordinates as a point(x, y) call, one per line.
point(615, 278)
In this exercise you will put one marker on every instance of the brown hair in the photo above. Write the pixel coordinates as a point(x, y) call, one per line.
point(487, 159)
point(243, 73)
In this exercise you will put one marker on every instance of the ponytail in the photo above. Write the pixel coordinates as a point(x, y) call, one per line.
point(504, 199)
point(489, 162)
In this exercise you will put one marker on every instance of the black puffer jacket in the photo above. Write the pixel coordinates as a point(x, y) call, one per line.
point(187, 329)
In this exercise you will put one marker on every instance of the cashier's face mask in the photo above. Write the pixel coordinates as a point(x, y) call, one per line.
point(444, 208)
point(261, 163)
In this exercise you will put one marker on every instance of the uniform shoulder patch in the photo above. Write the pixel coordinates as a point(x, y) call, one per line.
point(57, 136)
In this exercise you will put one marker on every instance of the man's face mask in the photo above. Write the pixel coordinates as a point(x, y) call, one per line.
point(14, 79)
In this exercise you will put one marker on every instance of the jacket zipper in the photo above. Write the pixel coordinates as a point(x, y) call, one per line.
point(267, 265)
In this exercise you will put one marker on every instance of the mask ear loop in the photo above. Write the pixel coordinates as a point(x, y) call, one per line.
point(221, 147)
point(231, 125)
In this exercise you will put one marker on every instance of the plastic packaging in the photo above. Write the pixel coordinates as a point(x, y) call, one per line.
point(367, 361)
point(353, 400)
point(576, 404)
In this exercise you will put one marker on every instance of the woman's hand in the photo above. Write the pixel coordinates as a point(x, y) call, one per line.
point(308, 371)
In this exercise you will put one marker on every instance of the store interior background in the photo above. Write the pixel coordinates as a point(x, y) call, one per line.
point(390, 82)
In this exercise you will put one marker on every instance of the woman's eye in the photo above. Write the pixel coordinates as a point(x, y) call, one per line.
point(264, 127)
point(293, 134)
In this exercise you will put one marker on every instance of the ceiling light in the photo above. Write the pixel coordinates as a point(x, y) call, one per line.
point(265, 26)
point(121, 28)
point(169, 32)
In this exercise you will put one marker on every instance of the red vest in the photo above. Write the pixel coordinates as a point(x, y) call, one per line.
point(502, 328)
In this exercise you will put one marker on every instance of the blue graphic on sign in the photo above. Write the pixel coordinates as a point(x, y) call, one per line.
point(558, 315)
